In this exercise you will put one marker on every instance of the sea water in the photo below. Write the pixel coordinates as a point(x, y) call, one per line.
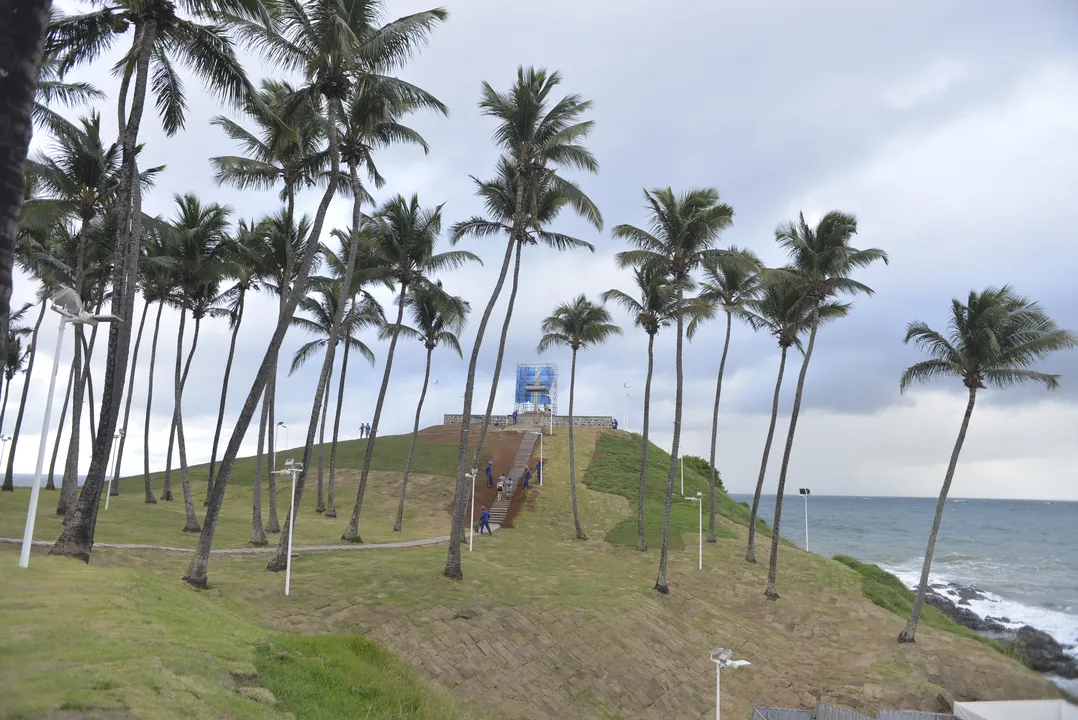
point(1022, 554)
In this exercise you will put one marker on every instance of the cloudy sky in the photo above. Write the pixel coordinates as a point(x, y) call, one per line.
point(950, 128)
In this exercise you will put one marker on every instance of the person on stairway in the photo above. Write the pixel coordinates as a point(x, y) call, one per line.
point(490, 473)
point(501, 486)
point(527, 477)
point(484, 521)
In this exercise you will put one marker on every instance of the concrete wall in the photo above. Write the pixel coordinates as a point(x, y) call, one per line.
point(589, 421)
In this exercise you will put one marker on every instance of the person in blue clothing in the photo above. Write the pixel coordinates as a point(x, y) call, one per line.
point(514, 417)
point(484, 521)
point(490, 473)
point(527, 477)
point(615, 422)
point(539, 471)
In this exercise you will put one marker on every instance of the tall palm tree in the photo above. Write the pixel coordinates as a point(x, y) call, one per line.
point(822, 261)
point(538, 135)
point(331, 45)
point(438, 318)
point(52, 89)
point(405, 239)
point(158, 286)
point(654, 310)
point(576, 325)
point(729, 284)
point(17, 356)
point(200, 248)
point(161, 36)
point(682, 235)
point(992, 341)
point(782, 310)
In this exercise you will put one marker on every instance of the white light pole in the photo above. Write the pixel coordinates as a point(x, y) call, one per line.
point(471, 524)
point(551, 411)
point(682, 476)
point(540, 473)
point(119, 434)
point(625, 407)
point(276, 434)
point(699, 500)
point(68, 305)
point(806, 492)
point(721, 658)
point(293, 468)
point(5, 440)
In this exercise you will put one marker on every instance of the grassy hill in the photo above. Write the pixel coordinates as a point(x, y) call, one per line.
point(543, 625)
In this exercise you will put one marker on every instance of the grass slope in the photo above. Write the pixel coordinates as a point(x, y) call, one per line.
point(615, 469)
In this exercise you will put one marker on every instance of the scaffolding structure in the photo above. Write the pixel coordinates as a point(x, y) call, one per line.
point(536, 388)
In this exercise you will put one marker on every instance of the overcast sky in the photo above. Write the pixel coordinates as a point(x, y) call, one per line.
point(950, 128)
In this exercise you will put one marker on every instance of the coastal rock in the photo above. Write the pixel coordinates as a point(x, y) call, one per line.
point(1044, 654)
point(962, 615)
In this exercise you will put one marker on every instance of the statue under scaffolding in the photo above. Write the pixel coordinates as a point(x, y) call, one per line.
point(537, 388)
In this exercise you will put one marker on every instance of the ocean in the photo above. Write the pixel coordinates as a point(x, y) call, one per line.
point(1022, 554)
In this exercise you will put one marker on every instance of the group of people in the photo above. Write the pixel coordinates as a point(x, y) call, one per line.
point(364, 430)
point(498, 420)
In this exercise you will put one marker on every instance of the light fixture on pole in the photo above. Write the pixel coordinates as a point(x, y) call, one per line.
point(682, 476)
point(471, 514)
point(5, 440)
point(293, 468)
point(625, 406)
point(68, 305)
point(551, 411)
point(722, 659)
point(806, 492)
point(699, 500)
point(112, 476)
point(276, 434)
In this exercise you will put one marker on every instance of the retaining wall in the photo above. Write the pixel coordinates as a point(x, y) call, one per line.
point(589, 421)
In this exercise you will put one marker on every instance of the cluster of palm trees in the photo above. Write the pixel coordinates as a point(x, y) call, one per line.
point(82, 226)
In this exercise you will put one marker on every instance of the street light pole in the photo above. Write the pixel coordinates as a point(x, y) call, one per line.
point(699, 500)
point(471, 515)
point(68, 305)
point(540, 473)
point(625, 406)
point(293, 468)
point(275, 443)
point(682, 476)
point(805, 492)
point(119, 434)
point(721, 658)
point(4, 440)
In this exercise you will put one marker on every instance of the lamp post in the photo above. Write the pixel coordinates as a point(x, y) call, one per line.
point(625, 406)
point(471, 515)
point(540, 473)
point(293, 468)
point(682, 476)
point(699, 500)
point(805, 492)
point(119, 434)
point(3, 450)
point(722, 659)
point(275, 443)
point(68, 305)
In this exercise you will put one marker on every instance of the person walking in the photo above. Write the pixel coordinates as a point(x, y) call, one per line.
point(509, 486)
point(514, 416)
point(484, 521)
point(539, 471)
point(501, 486)
point(527, 477)
point(490, 473)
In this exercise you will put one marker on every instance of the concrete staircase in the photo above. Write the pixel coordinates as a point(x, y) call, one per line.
point(500, 508)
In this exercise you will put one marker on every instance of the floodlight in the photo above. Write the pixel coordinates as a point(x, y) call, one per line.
point(67, 302)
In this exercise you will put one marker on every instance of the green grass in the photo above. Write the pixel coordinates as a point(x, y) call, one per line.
point(615, 469)
point(337, 676)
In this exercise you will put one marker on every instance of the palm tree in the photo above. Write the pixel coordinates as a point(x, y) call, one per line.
point(438, 319)
point(537, 135)
point(322, 307)
point(160, 37)
point(654, 310)
point(992, 341)
point(546, 201)
point(405, 238)
point(783, 311)
point(576, 325)
point(682, 236)
point(822, 261)
point(729, 284)
point(53, 89)
point(158, 286)
point(17, 356)
point(199, 247)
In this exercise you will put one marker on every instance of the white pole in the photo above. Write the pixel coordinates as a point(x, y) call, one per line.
point(700, 526)
point(806, 522)
point(35, 489)
point(112, 452)
point(718, 692)
point(471, 522)
point(683, 476)
point(291, 531)
point(540, 473)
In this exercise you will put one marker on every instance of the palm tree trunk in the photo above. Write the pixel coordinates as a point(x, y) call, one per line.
point(88, 377)
point(411, 448)
point(572, 452)
point(773, 567)
point(280, 558)
point(715, 430)
point(661, 583)
point(21, 40)
point(77, 538)
point(460, 499)
point(166, 491)
point(273, 523)
point(351, 533)
point(127, 406)
point(750, 554)
point(149, 404)
point(320, 505)
point(909, 633)
point(331, 504)
point(258, 533)
point(191, 522)
point(70, 483)
point(641, 543)
point(500, 356)
point(224, 393)
point(9, 473)
point(51, 485)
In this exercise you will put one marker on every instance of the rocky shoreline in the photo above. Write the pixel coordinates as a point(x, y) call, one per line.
point(1040, 650)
